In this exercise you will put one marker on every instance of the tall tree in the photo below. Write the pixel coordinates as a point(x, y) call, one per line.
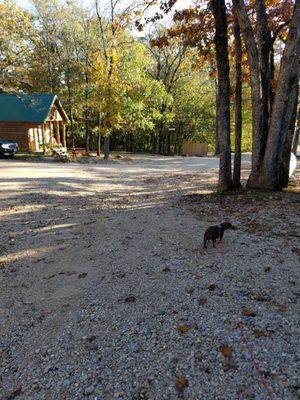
point(223, 103)
point(270, 124)
point(237, 105)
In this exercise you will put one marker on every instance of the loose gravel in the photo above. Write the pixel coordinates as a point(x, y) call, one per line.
point(106, 292)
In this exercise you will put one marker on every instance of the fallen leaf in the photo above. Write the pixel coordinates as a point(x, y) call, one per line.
point(281, 308)
point(267, 269)
point(183, 328)
point(83, 275)
point(211, 287)
point(258, 333)
point(226, 351)
point(166, 269)
point(202, 301)
point(89, 339)
point(130, 299)
point(181, 383)
point(262, 297)
point(249, 313)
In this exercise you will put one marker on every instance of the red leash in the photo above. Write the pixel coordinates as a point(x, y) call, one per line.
point(255, 362)
point(244, 338)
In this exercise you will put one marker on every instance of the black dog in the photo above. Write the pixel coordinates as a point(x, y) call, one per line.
point(216, 232)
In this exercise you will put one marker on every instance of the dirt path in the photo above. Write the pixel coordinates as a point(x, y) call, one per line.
point(106, 294)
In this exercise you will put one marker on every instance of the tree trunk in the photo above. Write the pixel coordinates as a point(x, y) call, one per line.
point(99, 136)
point(153, 143)
point(272, 78)
point(168, 143)
point(70, 107)
point(237, 106)
point(264, 42)
point(217, 147)
point(296, 141)
point(106, 147)
point(275, 168)
point(290, 120)
point(161, 139)
point(86, 113)
point(223, 104)
point(258, 148)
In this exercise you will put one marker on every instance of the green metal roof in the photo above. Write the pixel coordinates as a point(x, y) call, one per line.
point(25, 107)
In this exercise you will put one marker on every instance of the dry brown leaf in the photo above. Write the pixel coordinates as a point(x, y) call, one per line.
point(130, 299)
point(249, 313)
point(181, 383)
point(226, 351)
point(212, 287)
point(166, 269)
point(281, 308)
point(258, 333)
point(183, 328)
point(202, 301)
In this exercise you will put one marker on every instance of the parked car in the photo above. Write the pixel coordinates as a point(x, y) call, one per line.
point(8, 148)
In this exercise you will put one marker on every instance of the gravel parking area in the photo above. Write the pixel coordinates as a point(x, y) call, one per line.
point(107, 294)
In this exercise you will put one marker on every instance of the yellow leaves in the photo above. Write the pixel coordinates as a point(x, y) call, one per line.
point(183, 328)
point(226, 351)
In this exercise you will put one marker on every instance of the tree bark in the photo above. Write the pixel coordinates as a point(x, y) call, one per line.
point(70, 106)
point(264, 42)
point(106, 147)
point(86, 113)
point(217, 147)
point(258, 148)
point(289, 123)
point(223, 104)
point(275, 168)
point(99, 136)
point(296, 141)
point(237, 106)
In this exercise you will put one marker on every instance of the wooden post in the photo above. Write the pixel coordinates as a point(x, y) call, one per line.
point(51, 134)
point(64, 137)
point(44, 139)
point(57, 132)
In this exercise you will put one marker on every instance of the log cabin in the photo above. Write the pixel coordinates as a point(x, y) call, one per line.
point(35, 121)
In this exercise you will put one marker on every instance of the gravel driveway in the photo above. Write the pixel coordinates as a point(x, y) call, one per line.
point(107, 294)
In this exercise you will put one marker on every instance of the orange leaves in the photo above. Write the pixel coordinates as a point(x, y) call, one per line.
point(226, 351)
point(281, 308)
point(249, 313)
point(160, 42)
point(181, 383)
point(258, 333)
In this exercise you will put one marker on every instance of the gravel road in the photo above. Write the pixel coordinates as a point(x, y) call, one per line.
point(107, 294)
